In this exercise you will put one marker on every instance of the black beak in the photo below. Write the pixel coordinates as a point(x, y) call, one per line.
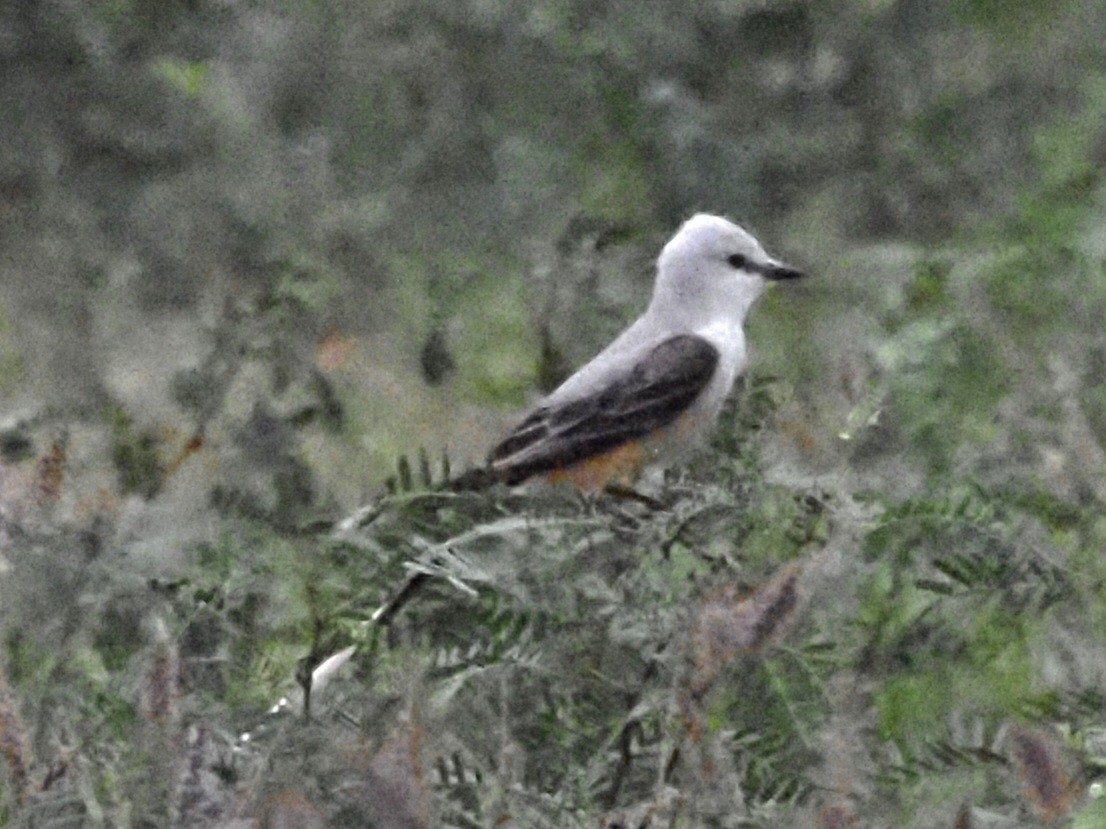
point(778, 270)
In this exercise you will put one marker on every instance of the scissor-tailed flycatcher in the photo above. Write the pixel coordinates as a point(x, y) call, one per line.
point(662, 382)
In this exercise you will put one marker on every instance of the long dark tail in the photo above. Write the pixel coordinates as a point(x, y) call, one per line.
point(420, 474)
point(472, 480)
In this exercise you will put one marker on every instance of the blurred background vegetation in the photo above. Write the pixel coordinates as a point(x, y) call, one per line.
point(252, 253)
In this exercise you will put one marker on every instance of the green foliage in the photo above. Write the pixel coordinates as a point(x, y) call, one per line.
point(1037, 286)
point(953, 619)
point(496, 353)
point(525, 641)
point(11, 361)
point(1016, 19)
point(374, 178)
point(135, 455)
point(310, 285)
point(942, 130)
point(1092, 815)
point(188, 77)
point(912, 707)
point(947, 383)
point(613, 183)
point(502, 337)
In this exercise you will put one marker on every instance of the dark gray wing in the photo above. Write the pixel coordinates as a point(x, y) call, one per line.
point(649, 396)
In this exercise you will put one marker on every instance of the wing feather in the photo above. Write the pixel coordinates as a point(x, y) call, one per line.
point(649, 395)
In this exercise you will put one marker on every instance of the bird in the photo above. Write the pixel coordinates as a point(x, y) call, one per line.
point(660, 385)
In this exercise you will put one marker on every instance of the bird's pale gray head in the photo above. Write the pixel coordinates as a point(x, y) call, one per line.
point(712, 268)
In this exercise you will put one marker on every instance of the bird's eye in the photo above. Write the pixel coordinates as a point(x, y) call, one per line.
point(738, 261)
